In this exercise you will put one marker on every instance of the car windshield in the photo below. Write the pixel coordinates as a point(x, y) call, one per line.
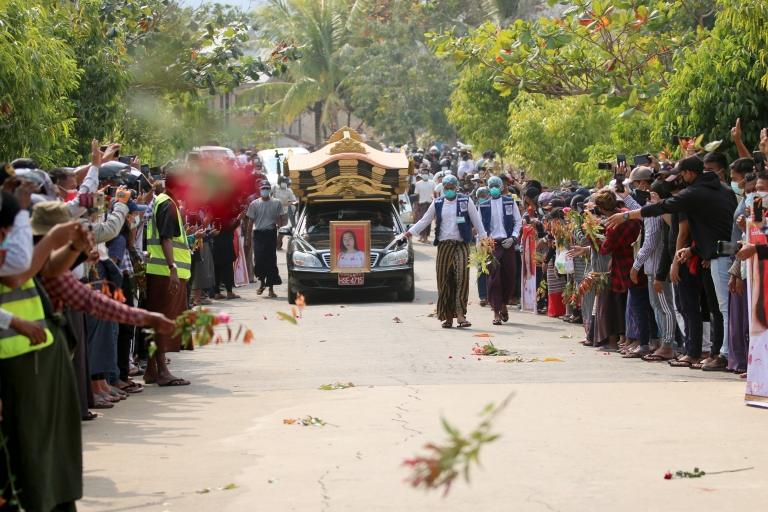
point(316, 223)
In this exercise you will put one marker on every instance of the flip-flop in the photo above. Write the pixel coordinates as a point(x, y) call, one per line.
point(175, 382)
point(90, 416)
point(634, 355)
point(505, 316)
point(447, 325)
point(497, 322)
point(464, 324)
point(132, 388)
point(676, 363)
point(102, 404)
point(653, 358)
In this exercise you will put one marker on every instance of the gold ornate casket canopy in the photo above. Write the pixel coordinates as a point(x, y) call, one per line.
point(347, 168)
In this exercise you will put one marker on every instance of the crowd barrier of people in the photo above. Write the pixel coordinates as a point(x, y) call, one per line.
point(653, 264)
point(95, 261)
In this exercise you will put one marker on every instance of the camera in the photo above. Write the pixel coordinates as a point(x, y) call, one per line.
point(92, 200)
point(725, 248)
point(604, 166)
point(759, 159)
point(642, 159)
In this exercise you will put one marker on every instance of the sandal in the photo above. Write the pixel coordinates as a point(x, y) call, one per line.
point(680, 363)
point(132, 387)
point(497, 321)
point(464, 324)
point(90, 416)
point(261, 290)
point(175, 382)
point(448, 324)
point(505, 316)
point(635, 354)
point(651, 358)
point(99, 403)
point(233, 296)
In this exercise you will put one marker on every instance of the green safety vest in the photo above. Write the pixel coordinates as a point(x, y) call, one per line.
point(156, 265)
point(24, 303)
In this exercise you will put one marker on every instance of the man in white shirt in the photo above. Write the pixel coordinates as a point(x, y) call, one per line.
point(501, 219)
point(424, 190)
point(455, 215)
point(466, 165)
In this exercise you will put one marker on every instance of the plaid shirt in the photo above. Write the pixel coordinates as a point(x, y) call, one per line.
point(618, 243)
point(66, 289)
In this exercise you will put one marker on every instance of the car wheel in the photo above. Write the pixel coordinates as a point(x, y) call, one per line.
point(408, 293)
point(291, 293)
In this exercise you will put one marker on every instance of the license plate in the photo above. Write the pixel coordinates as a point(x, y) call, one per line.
point(351, 279)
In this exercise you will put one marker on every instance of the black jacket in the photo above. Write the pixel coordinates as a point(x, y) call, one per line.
point(709, 208)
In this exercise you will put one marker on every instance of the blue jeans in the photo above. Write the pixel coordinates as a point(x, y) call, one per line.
point(719, 268)
point(639, 301)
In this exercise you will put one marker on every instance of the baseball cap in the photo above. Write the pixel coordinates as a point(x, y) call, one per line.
point(641, 173)
point(692, 163)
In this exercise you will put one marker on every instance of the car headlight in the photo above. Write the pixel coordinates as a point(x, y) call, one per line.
point(302, 259)
point(395, 258)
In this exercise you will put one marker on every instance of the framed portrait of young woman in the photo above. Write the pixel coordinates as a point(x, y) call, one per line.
point(350, 247)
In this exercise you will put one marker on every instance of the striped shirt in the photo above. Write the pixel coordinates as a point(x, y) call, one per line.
point(649, 255)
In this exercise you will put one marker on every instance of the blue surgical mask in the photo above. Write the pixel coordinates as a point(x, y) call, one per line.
point(495, 192)
point(450, 194)
point(265, 194)
point(736, 189)
point(750, 198)
point(483, 200)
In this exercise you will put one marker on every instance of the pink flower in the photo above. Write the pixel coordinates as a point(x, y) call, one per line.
point(566, 210)
point(222, 318)
point(668, 475)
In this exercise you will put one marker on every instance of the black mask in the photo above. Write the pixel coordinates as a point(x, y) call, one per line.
point(642, 196)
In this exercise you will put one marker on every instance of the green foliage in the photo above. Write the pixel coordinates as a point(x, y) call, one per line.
point(716, 84)
point(39, 75)
point(395, 84)
point(477, 111)
point(617, 52)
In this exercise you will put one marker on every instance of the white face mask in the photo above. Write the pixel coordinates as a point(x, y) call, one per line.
point(761, 195)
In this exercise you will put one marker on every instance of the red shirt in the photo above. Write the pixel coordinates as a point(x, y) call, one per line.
point(618, 243)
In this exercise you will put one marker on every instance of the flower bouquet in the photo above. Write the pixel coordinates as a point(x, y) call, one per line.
point(596, 281)
point(197, 327)
point(481, 257)
point(489, 349)
point(593, 229)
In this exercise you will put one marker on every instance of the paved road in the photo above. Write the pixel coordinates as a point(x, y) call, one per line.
point(591, 433)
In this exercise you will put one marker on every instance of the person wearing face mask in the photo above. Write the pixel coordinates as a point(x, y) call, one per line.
point(265, 214)
point(455, 215)
point(709, 209)
point(501, 220)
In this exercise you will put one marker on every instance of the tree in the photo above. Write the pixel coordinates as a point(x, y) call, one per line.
point(620, 53)
point(39, 75)
point(477, 110)
point(394, 83)
point(718, 82)
point(315, 79)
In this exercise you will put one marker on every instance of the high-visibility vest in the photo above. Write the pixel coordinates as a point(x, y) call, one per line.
point(24, 303)
point(182, 257)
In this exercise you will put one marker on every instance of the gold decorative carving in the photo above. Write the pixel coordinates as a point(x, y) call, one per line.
point(349, 187)
point(344, 133)
point(347, 145)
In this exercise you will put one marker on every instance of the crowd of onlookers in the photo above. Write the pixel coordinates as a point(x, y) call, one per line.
point(96, 263)
point(653, 264)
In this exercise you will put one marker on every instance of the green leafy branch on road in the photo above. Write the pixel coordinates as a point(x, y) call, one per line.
point(444, 463)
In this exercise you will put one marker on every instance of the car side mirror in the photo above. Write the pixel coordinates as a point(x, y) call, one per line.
point(285, 230)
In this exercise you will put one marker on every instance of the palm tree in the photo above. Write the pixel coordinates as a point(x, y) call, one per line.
point(314, 81)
